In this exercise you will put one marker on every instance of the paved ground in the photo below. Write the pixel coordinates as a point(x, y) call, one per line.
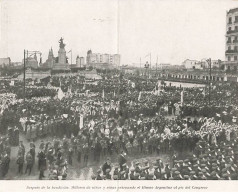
point(75, 172)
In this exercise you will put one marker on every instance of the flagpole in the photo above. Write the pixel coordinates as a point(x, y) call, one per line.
point(140, 63)
point(150, 66)
point(71, 57)
point(156, 65)
point(150, 60)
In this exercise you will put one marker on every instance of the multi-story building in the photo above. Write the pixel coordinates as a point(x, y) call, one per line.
point(97, 59)
point(231, 52)
point(80, 62)
point(192, 64)
point(5, 62)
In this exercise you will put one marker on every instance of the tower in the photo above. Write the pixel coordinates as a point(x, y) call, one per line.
point(89, 54)
point(51, 59)
point(78, 61)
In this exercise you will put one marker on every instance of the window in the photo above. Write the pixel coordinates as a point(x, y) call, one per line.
point(235, 58)
point(236, 18)
point(229, 29)
point(229, 58)
point(236, 27)
point(229, 48)
point(235, 48)
point(230, 20)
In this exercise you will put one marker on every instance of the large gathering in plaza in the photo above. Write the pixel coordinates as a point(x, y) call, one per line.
point(99, 120)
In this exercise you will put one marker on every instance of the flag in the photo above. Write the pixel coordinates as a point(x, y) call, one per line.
point(81, 121)
point(182, 97)
point(60, 94)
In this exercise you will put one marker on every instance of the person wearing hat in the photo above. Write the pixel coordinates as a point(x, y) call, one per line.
point(122, 159)
point(137, 167)
point(108, 175)
point(186, 170)
point(167, 171)
point(150, 176)
point(98, 177)
point(132, 174)
point(178, 176)
point(200, 175)
point(193, 175)
point(29, 162)
point(115, 177)
point(123, 175)
point(22, 148)
point(143, 172)
point(41, 162)
point(186, 177)
point(93, 177)
point(85, 153)
point(159, 164)
point(20, 162)
point(106, 165)
point(157, 173)
point(116, 171)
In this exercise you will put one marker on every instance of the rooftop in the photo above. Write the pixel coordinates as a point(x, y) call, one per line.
point(231, 11)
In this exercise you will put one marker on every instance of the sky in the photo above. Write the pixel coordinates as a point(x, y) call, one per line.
point(171, 30)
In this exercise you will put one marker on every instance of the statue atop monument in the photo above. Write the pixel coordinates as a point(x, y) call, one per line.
point(62, 45)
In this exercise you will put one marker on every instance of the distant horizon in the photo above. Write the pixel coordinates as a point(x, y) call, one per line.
point(172, 30)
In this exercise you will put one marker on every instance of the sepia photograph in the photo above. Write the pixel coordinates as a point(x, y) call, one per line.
point(119, 90)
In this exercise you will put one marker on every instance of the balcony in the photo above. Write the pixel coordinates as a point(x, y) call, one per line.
point(231, 51)
point(232, 31)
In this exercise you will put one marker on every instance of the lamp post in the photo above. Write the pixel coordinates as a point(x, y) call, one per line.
point(210, 77)
point(146, 68)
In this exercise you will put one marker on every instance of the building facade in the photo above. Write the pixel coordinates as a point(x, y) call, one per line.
point(231, 52)
point(232, 35)
point(5, 62)
point(192, 64)
point(80, 62)
point(95, 59)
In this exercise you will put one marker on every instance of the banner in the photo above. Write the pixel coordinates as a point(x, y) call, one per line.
point(60, 94)
point(81, 122)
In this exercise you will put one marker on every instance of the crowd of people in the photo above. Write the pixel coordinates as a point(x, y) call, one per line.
point(208, 162)
point(94, 120)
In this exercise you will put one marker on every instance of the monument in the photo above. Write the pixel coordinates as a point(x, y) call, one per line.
point(61, 60)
